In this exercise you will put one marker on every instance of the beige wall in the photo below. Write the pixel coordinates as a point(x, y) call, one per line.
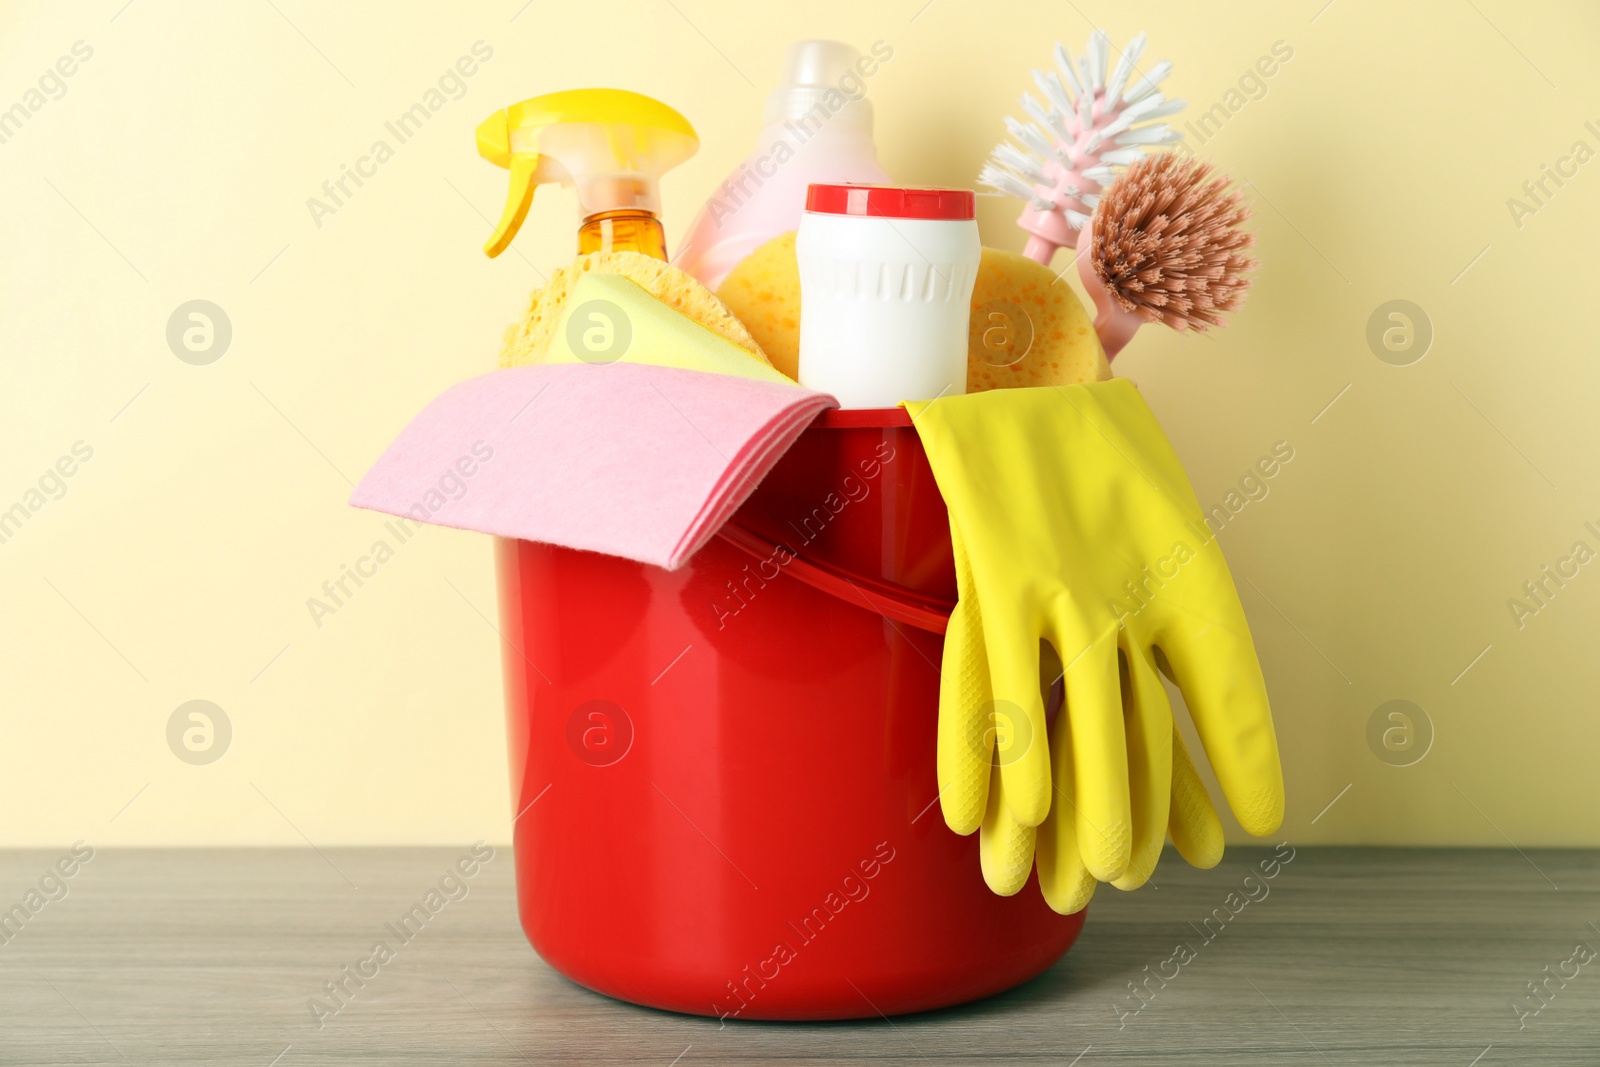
point(177, 162)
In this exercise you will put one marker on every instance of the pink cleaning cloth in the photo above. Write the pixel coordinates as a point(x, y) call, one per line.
point(628, 459)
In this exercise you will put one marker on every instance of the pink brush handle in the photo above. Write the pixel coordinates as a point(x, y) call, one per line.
point(1114, 326)
point(1047, 231)
point(1040, 249)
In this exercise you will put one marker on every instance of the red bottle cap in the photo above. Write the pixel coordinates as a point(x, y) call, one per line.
point(891, 201)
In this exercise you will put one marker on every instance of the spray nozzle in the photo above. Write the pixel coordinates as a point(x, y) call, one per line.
point(611, 145)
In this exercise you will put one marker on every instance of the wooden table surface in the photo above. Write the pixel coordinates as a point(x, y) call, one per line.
point(1355, 956)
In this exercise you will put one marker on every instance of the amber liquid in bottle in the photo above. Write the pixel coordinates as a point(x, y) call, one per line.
point(626, 230)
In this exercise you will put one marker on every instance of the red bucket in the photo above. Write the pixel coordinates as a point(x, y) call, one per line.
point(725, 774)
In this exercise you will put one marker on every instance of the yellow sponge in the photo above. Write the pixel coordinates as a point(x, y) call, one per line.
point(763, 289)
point(527, 340)
point(1027, 328)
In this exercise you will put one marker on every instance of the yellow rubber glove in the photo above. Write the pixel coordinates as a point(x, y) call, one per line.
point(1006, 848)
point(1078, 525)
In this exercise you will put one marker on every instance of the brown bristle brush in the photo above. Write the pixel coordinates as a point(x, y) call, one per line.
point(1165, 245)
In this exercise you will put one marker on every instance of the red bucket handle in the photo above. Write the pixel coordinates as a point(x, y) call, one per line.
point(889, 599)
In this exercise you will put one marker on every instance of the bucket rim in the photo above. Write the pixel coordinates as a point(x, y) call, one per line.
point(861, 418)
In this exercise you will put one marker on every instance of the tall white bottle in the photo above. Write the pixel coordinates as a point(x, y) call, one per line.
point(817, 128)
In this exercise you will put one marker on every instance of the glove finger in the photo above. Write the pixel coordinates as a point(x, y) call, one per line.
point(1022, 749)
point(1216, 669)
point(1065, 882)
point(1149, 731)
point(1005, 846)
point(1196, 830)
point(1099, 758)
point(965, 744)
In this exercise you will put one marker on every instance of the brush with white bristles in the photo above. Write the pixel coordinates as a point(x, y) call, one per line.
point(1094, 120)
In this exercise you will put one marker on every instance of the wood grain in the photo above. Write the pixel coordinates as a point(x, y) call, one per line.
point(1353, 956)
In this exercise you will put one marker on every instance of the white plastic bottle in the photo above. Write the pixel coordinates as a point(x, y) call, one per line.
point(886, 278)
point(818, 128)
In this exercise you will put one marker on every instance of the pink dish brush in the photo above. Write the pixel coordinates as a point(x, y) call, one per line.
point(1166, 245)
point(1095, 119)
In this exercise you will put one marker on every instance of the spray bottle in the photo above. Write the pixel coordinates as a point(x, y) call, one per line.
point(610, 145)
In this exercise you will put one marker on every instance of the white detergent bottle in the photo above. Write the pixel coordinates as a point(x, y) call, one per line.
point(817, 128)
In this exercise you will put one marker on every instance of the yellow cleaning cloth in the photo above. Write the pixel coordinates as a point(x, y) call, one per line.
point(527, 340)
point(607, 318)
point(1027, 326)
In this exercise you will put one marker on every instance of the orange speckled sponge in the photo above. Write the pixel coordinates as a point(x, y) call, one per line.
point(763, 290)
point(1027, 328)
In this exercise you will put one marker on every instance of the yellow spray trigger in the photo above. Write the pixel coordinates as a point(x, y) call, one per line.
point(494, 144)
point(518, 199)
point(609, 144)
